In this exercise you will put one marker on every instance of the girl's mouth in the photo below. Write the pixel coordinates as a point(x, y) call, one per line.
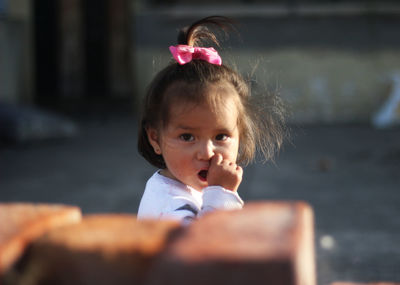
point(203, 175)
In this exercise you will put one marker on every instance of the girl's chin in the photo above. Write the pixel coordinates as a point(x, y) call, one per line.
point(200, 185)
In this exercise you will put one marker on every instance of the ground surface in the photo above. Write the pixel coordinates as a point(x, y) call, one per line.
point(349, 174)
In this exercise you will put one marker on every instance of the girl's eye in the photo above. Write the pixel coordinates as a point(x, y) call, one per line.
point(221, 137)
point(187, 137)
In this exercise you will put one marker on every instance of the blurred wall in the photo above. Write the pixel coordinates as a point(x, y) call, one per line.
point(332, 63)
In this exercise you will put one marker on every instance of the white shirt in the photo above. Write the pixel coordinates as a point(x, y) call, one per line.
point(165, 198)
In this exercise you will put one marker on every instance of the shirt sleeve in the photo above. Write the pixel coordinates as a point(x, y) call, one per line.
point(219, 198)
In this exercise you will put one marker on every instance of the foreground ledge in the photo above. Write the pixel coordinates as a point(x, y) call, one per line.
point(264, 243)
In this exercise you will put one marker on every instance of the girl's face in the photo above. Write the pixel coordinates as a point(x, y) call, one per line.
point(196, 133)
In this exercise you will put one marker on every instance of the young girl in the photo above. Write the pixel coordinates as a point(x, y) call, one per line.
point(198, 124)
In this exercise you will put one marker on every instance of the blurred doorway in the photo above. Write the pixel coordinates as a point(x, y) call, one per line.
point(82, 54)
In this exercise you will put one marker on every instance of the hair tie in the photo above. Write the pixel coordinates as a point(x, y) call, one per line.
point(184, 54)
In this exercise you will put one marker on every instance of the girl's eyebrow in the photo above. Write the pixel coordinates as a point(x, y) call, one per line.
point(220, 130)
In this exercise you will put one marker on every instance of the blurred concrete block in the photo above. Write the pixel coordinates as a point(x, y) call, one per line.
point(265, 243)
point(13, 34)
point(21, 124)
point(388, 114)
point(22, 223)
point(102, 249)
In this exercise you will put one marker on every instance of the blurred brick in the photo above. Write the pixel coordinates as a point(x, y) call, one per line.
point(21, 223)
point(102, 249)
point(265, 243)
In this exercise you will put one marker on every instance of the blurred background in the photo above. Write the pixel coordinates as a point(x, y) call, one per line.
point(73, 72)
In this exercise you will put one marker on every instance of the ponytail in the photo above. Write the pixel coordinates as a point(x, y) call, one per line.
point(198, 34)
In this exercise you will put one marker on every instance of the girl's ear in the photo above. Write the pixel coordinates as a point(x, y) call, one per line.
point(152, 135)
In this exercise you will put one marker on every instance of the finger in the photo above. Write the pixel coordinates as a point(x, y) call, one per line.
point(216, 159)
point(226, 163)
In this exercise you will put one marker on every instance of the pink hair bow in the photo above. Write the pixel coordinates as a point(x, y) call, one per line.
point(184, 54)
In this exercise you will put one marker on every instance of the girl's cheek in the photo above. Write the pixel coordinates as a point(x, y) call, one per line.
point(226, 153)
point(171, 143)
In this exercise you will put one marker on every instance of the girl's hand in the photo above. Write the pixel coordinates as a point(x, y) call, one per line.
point(224, 173)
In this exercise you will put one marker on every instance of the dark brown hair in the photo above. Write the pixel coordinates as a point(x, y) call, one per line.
point(260, 122)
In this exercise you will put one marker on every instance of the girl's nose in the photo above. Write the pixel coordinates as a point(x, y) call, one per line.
point(205, 150)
